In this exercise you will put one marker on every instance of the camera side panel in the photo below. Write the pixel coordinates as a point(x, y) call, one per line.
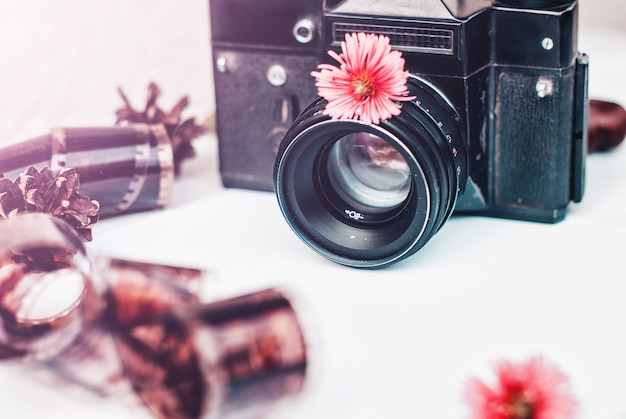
point(259, 95)
point(533, 144)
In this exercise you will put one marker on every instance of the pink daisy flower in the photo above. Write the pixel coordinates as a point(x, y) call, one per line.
point(527, 390)
point(369, 82)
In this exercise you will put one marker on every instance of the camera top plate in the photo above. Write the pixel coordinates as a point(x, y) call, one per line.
point(463, 9)
point(434, 9)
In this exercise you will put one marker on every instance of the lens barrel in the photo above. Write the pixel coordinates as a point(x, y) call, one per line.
point(367, 195)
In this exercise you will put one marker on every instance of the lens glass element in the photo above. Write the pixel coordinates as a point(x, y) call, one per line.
point(368, 172)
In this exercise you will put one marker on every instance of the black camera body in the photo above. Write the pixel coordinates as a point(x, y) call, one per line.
point(498, 127)
point(262, 80)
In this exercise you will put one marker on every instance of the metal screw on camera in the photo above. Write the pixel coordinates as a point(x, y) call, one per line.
point(544, 88)
point(547, 43)
point(220, 64)
point(276, 75)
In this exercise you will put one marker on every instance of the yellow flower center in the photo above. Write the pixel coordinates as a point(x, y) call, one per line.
point(364, 86)
point(520, 408)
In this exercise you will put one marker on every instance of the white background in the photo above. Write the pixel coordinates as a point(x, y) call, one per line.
point(399, 342)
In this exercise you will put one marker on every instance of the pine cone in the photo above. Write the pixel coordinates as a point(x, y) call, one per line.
point(180, 133)
point(11, 199)
point(58, 195)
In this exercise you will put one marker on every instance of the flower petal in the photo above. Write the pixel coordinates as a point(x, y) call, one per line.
point(364, 58)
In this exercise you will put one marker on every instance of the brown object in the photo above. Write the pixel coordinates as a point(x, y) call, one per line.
point(11, 198)
point(607, 125)
point(57, 195)
point(51, 193)
point(180, 133)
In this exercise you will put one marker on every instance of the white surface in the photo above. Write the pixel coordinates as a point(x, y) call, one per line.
point(393, 343)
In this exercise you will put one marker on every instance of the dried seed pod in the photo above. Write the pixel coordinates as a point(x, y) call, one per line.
point(180, 132)
point(11, 198)
point(57, 195)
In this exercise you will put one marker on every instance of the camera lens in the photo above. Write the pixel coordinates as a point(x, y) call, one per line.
point(368, 173)
point(369, 195)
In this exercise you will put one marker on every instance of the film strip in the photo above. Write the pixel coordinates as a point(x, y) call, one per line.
point(126, 169)
point(143, 328)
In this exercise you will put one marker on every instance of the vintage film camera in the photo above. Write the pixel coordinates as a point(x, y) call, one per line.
point(498, 127)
